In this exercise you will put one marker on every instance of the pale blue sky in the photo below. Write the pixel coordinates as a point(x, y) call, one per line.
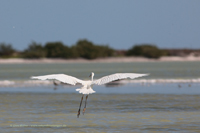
point(118, 23)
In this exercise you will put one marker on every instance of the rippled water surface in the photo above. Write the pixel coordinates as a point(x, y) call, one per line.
point(82, 70)
point(56, 110)
point(120, 107)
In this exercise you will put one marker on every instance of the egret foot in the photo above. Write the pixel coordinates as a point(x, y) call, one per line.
point(84, 110)
point(85, 105)
point(78, 113)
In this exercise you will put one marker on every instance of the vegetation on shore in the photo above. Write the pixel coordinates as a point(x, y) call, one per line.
point(88, 50)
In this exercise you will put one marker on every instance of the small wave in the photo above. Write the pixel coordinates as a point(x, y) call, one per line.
point(10, 83)
point(27, 83)
point(162, 81)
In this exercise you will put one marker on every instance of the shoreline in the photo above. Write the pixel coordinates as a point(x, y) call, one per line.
point(100, 60)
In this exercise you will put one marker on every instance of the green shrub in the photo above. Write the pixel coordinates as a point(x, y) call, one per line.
point(34, 50)
point(146, 50)
point(6, 50)
point(57, 50)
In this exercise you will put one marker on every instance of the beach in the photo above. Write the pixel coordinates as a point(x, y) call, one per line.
point(108, 60)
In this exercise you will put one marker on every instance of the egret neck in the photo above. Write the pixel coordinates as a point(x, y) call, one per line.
point(92, 75)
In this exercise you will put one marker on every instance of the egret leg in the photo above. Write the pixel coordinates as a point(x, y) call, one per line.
point(80, 107)
point(85, 105)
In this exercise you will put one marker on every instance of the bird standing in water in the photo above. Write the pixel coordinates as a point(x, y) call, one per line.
point(86, 88)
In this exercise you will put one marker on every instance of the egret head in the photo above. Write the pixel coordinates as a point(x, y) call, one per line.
point(92, 74)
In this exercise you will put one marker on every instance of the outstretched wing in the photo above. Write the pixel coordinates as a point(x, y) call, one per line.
point(117, 76)
point(60, 77)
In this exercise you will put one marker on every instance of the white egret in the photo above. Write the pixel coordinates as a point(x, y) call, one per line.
point(87, 85)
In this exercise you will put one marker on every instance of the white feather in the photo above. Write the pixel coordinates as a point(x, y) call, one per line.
point(87, 85)
point(60, 77)
point(117, 76)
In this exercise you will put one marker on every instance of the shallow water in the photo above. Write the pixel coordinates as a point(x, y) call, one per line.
point(43, 109)
point(18, 75)
point(157, 70)
point(170, 105)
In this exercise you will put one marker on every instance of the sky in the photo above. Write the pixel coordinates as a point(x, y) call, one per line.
point(121, 24)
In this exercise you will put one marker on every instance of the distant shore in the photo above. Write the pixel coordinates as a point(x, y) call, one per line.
point(105, 60)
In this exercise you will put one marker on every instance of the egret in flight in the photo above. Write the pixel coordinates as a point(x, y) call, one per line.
point(86, 88)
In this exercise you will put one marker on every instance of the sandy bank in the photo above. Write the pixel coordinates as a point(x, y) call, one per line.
point(107, 60)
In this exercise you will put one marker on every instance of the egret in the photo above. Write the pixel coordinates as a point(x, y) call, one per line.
point(86, 88)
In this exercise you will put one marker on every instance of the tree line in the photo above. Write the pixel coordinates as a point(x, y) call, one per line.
point(82, 49)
